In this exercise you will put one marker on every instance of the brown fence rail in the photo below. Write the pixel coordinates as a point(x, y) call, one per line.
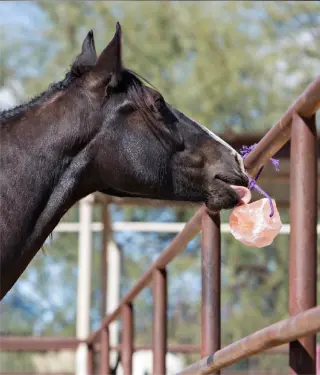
point(71, 373)
point(299, 125)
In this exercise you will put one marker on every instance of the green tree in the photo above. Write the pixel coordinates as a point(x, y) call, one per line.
point(233, 66)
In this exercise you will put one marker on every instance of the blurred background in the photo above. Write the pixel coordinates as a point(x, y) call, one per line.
point(234, 66)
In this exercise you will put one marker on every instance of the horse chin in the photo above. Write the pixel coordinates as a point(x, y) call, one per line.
point(227, 197)
point(214, 206)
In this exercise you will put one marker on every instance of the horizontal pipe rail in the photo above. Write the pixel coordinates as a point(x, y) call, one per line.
point(153, 227)
point(31, 343)
point(226, 372)
point(194, 349)
point(249, 372)
point(71, 373)
point(239, 372)
point(191, 229)
point(39, 373)
point(303, 324)
point(23, 343)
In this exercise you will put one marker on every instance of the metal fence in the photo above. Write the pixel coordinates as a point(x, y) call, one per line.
point(298, 125)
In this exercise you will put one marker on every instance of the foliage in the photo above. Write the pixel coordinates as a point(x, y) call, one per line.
point(233, 66)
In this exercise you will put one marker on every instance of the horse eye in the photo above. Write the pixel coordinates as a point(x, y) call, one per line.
point(126, 108)
point(159, 102)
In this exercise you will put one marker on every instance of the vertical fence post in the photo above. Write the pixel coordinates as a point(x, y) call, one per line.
point(127, 338)
point(211, 284)
point(303, 237)
point(110, 279)
point(113, 295)
point(84, 282)
point(159, 334)
point(104, 259)
point(90, 359)
point(104, 352)
point(104, 337)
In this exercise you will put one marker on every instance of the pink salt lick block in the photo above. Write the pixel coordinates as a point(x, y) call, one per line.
point(251, 224)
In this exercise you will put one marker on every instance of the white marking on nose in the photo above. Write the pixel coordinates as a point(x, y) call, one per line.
point(214, 136)
point(217, 138)
point(221, 141)
point(241, 163)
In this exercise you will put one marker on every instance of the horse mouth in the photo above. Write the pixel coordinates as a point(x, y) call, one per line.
point(243, 192)
point(228, 197)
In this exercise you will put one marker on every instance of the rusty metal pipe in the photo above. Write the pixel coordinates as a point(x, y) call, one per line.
point(190, 348)
point(31, 343)
point(70, 373)
point(127, 338)
point(303, 324)
point(303, 237)
point(211, 284)
point(159, 334)
point(179, 242)
point(104, 352)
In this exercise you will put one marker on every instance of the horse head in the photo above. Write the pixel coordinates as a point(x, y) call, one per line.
point(145, 147)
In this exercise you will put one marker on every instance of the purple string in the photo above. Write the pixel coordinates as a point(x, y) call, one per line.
point(245, 150)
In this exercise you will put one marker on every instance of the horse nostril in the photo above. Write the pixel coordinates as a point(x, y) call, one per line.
point(242, 179)
point(245, 180)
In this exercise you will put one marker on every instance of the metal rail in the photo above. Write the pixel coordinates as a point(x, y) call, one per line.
point(190, 230)
point(303, 324)
point(300, 329)
point(149, 227)
point(31, 343)
point(305, 106)
point(304, 142)
point(44, 344)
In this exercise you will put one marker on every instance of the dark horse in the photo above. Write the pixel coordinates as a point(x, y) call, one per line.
point(101, 129)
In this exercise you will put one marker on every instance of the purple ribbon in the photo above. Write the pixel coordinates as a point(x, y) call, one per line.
point(245, 150)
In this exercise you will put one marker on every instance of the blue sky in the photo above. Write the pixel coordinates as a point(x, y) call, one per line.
point(20, 13)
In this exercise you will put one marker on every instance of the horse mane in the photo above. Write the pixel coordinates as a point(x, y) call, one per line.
point(20, 109)
point(132, 81)
point(75, 72)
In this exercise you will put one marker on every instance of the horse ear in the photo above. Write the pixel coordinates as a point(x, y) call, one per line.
point(109, 63)
point(87, 57)
point(88, 51)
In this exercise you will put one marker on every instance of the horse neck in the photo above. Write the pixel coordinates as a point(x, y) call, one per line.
point(43, 159)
